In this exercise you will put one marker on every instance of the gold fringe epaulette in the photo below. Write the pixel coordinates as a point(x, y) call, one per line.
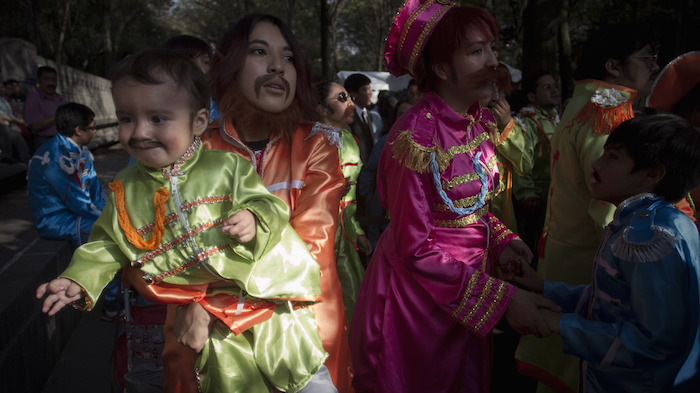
point(604, 120)
point(415, 156)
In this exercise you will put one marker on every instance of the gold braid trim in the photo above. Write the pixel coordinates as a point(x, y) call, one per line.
point(473, 280)
point(492, 307)
point(415, 156)
point(159, 200)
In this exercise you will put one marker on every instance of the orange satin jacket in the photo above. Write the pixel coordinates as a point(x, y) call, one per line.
point(306, 175)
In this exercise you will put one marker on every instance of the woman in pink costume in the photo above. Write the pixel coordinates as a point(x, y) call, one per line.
point(429, 298)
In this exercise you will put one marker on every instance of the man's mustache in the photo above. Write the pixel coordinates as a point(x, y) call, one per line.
point(262, 80)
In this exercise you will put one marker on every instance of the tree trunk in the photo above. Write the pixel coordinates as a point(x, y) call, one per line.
point(107, 34)
point(325, 22)
point(62, 32)
point(540, 22)
point(565, 71)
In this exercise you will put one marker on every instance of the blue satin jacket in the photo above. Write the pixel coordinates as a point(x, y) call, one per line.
point(635, 327)
point(65, 196)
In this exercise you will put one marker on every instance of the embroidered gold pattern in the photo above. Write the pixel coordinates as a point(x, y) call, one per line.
point(464, 221)
point(467, 294)
point(473, 145)
point(492, 307)
point(407, 26)
point(502, 236)
point(427, 29)
point(479, 303)
point(498, 227)
point(462, 203)
point(468, 177)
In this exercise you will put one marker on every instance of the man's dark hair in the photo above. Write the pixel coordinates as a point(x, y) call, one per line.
point(45, 69)
point(354, 82)
point(611, 42)
point(529, 84)
point(8, 83)
point(667, 140)
point(71, 115)
point(145, 67)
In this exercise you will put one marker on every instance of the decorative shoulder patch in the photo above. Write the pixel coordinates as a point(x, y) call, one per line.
point(528, 111)
point(520, 122)
point(644, 244)
point(333, 134)
point(605, 110)
point(415, 156)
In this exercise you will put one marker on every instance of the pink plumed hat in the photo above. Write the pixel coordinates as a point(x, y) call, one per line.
point(675, 81)
point(409, 33)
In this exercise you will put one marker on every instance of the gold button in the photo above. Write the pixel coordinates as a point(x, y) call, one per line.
point(428, 115)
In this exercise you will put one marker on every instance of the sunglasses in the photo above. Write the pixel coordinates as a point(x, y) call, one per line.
point(342, 96)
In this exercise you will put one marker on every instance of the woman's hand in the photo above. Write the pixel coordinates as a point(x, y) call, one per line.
point(500, 109)
point(514, 257)
point(192, 325)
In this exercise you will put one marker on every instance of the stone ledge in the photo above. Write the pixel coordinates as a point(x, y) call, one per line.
point(32, 342)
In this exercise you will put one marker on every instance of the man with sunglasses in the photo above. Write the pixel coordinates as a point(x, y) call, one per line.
point(617, 66)
point(65, 196)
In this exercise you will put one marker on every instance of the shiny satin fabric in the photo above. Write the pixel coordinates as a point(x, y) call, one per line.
point(515, 156)
point(349, 265)
point(428, 302)
point(636, 327)
point(65, 196)
point(540, 126)
point(280, 349)
point(305, 174)
point(274, 267)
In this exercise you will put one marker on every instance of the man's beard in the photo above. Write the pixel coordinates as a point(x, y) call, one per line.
point(246, 116)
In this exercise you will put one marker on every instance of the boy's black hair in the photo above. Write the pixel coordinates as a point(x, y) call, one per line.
point(146, 67)
point(71, 115)
point(667, 140)
point(355, 81)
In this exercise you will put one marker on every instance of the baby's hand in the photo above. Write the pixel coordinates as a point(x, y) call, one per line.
point(61, 292)
point(240, 225)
